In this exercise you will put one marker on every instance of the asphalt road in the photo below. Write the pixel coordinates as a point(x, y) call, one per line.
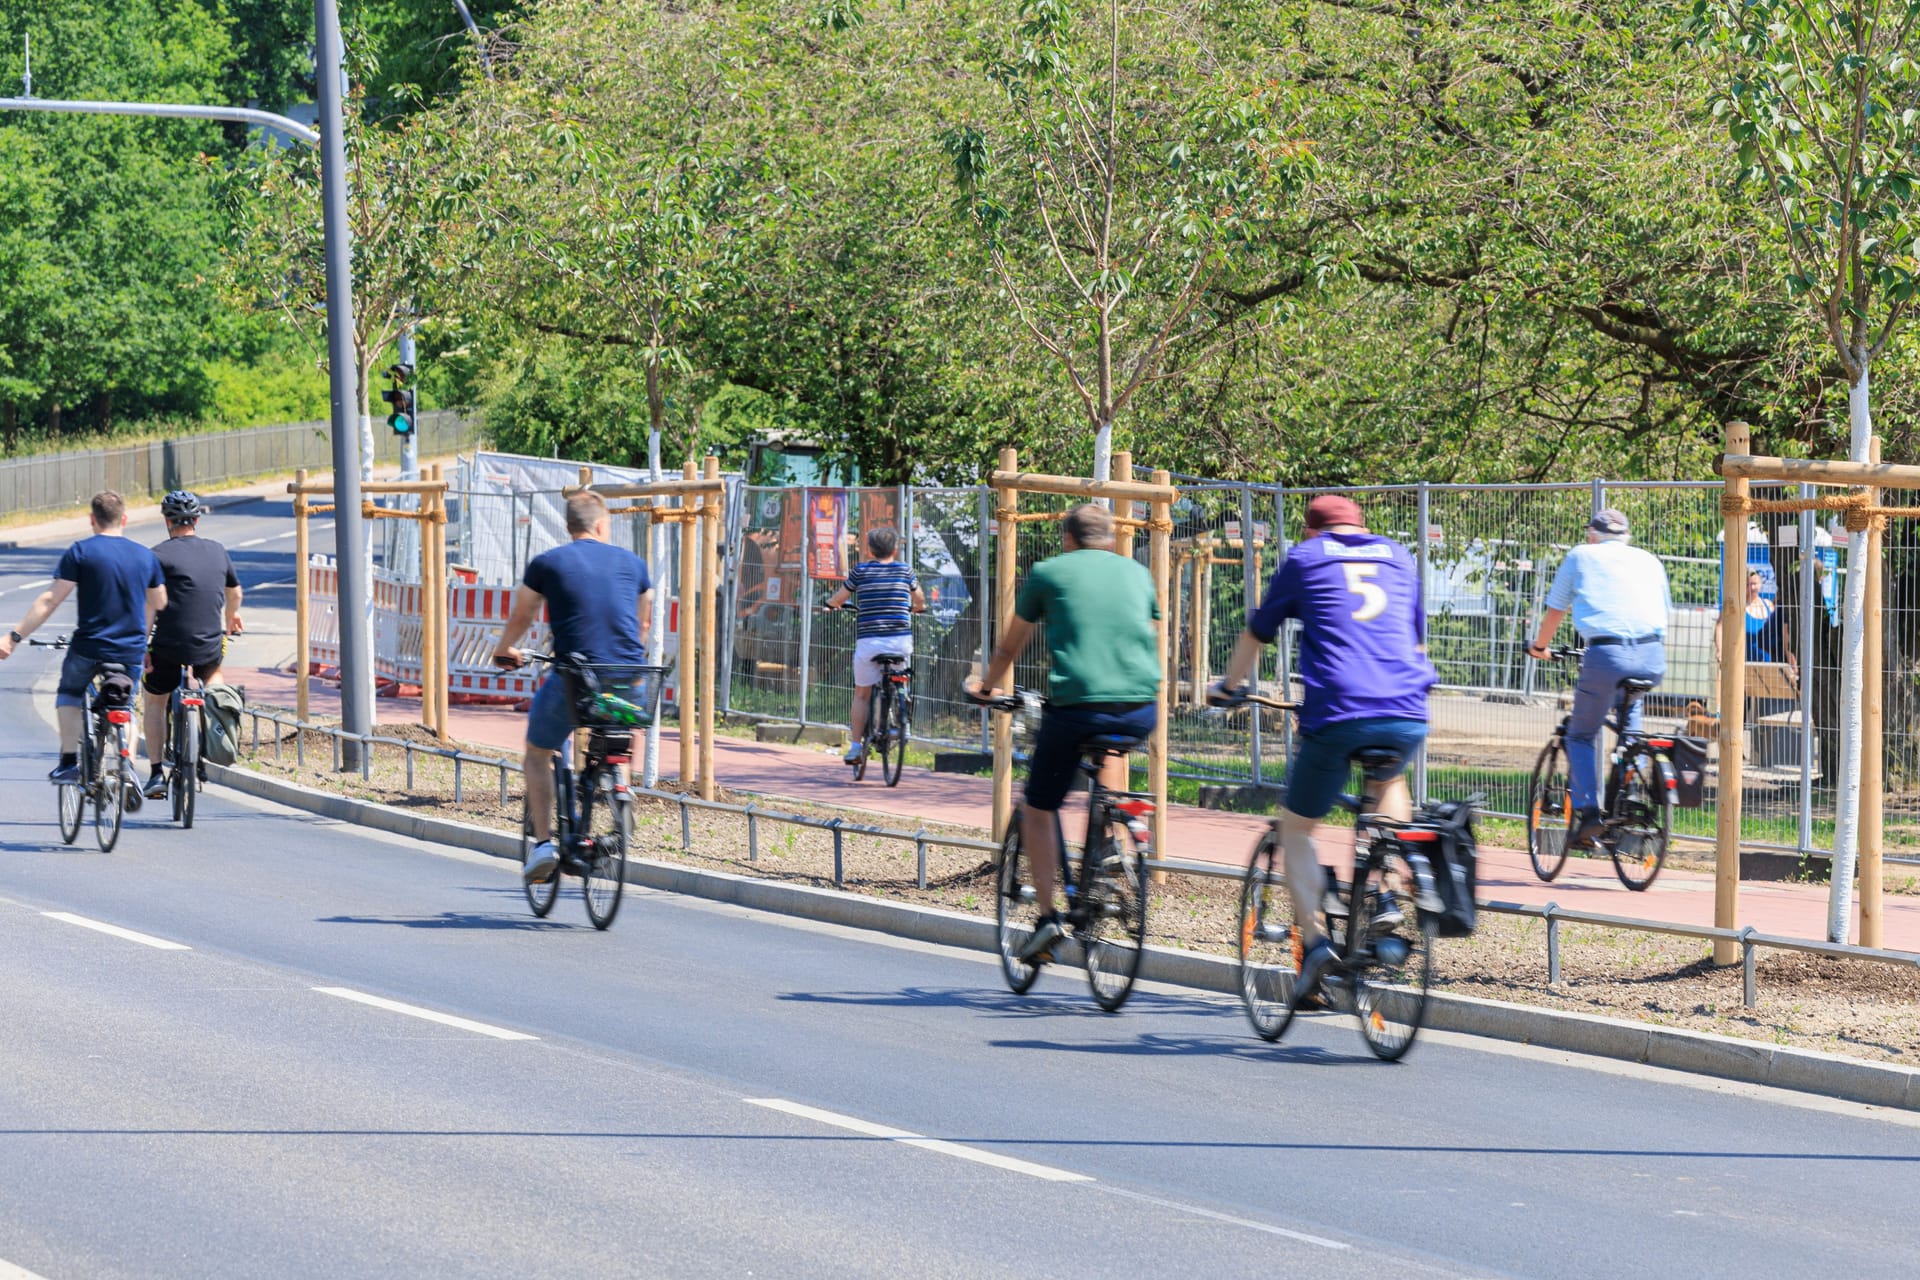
point(706, 1090)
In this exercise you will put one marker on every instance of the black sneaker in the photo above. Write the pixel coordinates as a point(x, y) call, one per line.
point(64, 774)
point(1587, 826)
point(156, 787)
point(1046, 936)
point(1387, 915)
point(1313, 967)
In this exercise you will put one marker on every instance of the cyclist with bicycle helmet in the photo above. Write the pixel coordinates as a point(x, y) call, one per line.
point(203, 608)
point(1363, 662)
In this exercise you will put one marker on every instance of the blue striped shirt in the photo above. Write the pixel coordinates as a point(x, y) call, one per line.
point(883, 594)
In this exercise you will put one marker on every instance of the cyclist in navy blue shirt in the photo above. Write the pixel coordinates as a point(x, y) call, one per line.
point(1363, 663)
point(119, 586)
point(596, 596)
point(886, 594)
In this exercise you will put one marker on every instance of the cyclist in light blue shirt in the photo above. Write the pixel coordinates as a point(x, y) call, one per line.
point(1619, 599)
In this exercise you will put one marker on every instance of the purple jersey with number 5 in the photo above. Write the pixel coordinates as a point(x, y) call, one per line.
point(1357, 596)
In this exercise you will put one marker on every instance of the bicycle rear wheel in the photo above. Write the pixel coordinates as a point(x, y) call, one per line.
point(1115, 935)
point(1270, 945)
point(540, 897)
point(73, 807)
point(608, 824)
point(893, 731)
point(1549, 811)
point(1395, 960)
point(1641, 823)
point(110, 794)
point(1016, 907)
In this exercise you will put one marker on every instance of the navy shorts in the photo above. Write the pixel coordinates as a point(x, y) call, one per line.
point(1056, 747)
point(76, 673)
point(1324, 762)
point(550, 719)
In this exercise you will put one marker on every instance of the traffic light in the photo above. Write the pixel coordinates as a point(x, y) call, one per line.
point(399, 398)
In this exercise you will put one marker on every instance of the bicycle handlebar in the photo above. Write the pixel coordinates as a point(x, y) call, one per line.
point(506, 663)
point(61, 643)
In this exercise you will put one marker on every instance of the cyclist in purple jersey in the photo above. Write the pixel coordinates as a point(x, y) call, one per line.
point(1364, 665)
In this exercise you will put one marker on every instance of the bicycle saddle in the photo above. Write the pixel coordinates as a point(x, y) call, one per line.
point(1378, 763)
point(109, 669)
point(1111, 743)
point(891, 659)
point(1637, 686)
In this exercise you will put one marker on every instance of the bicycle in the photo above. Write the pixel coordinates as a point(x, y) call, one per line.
point(106, 760)
point(593, 821)
point(185, 769)
point(888, 715)
point(1107, 900)
point(1383, 960)
point(1638, 801)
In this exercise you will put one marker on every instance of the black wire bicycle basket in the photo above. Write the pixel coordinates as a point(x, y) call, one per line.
point(614, 696)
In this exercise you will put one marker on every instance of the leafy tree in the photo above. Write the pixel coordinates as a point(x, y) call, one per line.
point(1134, 169)
point(1822, 101)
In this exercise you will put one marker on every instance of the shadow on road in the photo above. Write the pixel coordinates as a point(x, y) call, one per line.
point(450, 920)
point(1172, 1046)
point(1004, 1003)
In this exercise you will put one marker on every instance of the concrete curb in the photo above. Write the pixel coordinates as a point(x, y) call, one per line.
point(1697, 1052)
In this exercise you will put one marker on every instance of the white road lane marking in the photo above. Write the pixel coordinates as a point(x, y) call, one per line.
point(908, 1138)
point(1214, 1215)
point(431, 1015)
point(276, 537)
point(144, 939)
point(10, 1272)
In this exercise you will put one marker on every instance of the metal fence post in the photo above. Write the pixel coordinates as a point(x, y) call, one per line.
point(1283, 664)
point(920, 858)
point(753, 834)
point(1808, 606)
point(1423, 521)
point(1749, 973)
point(806, 600)
point(1250, 571)
point(986, 606)
point(1553, 943)
point(1599, 498)
point(839, 852)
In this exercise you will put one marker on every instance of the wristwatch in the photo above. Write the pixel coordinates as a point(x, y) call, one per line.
point(15, 637)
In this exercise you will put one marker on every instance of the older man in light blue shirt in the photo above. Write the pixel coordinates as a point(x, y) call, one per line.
point(1619, 599)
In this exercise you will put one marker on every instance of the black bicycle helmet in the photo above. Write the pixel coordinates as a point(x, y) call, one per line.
point(182, 505)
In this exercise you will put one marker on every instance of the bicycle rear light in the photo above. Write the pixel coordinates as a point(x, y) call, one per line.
point(118, 716)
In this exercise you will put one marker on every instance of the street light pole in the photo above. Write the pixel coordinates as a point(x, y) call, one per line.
point(349, 531)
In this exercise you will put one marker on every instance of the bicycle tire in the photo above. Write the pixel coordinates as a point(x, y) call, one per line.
point(1389, 996)
point(1270, 945)
point(1115, 935)
point(877, 737)
point(1549, 811)
point(893, 729)
point(1642, 823)
point(866, 744)
point(73, 808)
point(540, 897)
point(608, 826)
point(186, 769)
point(1014, 901)
point(110, 797)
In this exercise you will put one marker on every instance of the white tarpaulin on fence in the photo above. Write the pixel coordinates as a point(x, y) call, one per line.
point(516, 509)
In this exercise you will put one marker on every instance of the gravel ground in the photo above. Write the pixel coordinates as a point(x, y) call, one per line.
point(1863, 1009)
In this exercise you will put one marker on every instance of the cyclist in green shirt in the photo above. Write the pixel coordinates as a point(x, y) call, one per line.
point(1099, 609)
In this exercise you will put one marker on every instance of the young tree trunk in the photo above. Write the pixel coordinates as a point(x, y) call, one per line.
point(53, 418)
point(10, 424)
point(656, 557)
point(361, 359)
point(1846, 827)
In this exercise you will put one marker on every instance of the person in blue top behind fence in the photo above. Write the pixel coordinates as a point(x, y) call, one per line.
point(1619, 599)
point(885, 593)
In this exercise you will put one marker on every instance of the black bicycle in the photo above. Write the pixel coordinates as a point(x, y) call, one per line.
point(593, 820)
point(1106, 900)
point(106, 778)
point(1637, 803)
point(889, 713)
point(185, 769)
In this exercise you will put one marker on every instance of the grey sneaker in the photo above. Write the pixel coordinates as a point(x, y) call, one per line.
point(1313, 967)
point(854, 753)
point(542, 861)
point(156, 787)
point(1387, 915)
point(1046, 936)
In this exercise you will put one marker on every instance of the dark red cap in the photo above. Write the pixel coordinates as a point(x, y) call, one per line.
point(1331, 509)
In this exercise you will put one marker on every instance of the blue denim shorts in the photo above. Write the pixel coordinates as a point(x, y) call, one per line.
point(76, 673)
point(550, 719)
point(1324, 762)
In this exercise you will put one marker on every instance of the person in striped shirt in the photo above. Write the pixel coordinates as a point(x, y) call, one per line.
point(885, 593)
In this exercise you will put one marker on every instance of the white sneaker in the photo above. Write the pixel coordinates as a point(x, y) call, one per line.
point(854, 753)
point(542, 861)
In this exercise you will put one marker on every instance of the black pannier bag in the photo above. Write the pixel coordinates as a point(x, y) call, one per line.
point(1453, 856)
point(1690, 772)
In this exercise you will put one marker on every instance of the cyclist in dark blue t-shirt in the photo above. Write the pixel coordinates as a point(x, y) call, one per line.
point(1364, 666)
point(596, 596)
point(119, 586)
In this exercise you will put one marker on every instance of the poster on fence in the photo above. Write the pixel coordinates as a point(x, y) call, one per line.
point(827, 534)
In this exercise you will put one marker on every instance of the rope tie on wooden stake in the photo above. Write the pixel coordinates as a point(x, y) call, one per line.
point(1858, 512)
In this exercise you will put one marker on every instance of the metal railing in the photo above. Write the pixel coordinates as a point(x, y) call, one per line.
point(1750, 940)
point(61, 481)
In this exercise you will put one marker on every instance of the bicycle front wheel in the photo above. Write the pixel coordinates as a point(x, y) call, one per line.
point(1549, 811)
point(73, 807)
point(1016, 907)
point(110, 794)
point(608, 825)
point(540, 897)
point(186, 769)
point(1394, 959)
point(1270, 945)
point(1115, 935)
point(893, 733)
point(1642, 821)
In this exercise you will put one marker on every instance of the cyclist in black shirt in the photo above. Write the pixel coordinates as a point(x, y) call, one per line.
point(203, 608)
